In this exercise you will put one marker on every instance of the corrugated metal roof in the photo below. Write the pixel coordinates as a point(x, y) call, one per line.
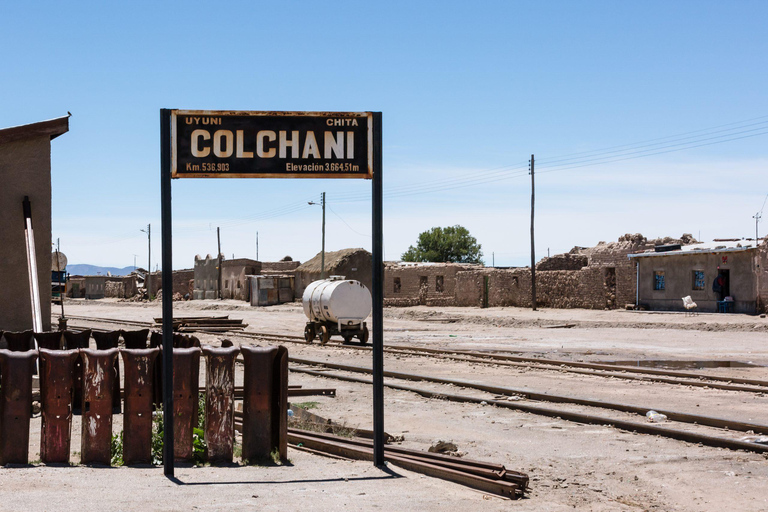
point(703, 247)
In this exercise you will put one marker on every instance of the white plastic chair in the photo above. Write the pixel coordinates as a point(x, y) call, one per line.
point(689, 305)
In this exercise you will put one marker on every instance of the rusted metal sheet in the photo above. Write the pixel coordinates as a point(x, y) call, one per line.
point(19, 341)
point(135, 339)
point(185, 341)
point(75, 340)
point(220, 403)
point(56, 381)
point(49, 340)
point(79, 339)
point(186, 372)
point(105, 341)
point(15, 405)
point(137, 420)
point(265, 402)
point(156, 341)
point(98, 382)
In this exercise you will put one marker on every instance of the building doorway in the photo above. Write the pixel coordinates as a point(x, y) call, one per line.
point(722, 284)
point(725, 283)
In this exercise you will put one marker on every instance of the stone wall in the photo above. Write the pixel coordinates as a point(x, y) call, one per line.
point(121, 287)
point(182, 280)
point(583, 288)
point(565, 261)
point(279, 267)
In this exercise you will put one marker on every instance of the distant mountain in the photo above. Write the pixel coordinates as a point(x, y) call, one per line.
point(82, 269)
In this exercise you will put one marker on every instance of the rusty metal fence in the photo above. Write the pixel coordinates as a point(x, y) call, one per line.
point(75, 378)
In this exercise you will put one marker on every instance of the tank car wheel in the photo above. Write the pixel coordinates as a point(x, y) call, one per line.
point(364, 335)
point(309, 333)
point(325, 334)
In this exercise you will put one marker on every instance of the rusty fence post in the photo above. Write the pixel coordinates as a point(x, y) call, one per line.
point(265, 402)
point(73, 341)
point(98, 382)
point(19, 341)
point(137, 419)
point(186, 376)
point(105, 341)
point(220, 403)
point(16, 369)
point(49, 340)
point(56, 381)
point(135, 339)
point(156, 340)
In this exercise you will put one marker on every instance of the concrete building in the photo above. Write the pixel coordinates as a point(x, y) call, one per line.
point(666, 274)
point(350, 263)
point(95, 287)
point(25, 170)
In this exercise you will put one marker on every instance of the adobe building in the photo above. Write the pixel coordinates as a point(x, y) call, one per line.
point(25, 170)
point(668, 273)
point(421, 283)
point(350, 263)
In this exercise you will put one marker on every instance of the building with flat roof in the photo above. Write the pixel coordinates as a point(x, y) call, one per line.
point(25, 171)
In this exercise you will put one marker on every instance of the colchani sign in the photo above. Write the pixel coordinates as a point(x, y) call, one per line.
point(232, 144)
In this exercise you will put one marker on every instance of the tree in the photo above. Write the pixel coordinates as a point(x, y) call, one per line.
point(453, 244)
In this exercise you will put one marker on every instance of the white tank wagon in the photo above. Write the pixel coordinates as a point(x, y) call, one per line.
point(336, 306)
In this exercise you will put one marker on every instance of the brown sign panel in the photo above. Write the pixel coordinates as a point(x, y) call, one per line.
point(248, 144)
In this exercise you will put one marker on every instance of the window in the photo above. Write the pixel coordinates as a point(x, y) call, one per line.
point(698, 280)
point(658, 280)
point(397, 285)
point(226, 283)
point(439, 284)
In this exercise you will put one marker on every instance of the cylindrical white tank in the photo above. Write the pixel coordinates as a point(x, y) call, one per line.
point(335, 300)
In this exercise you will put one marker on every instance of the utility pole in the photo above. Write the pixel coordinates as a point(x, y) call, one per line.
point(257, 246)
point(322, 254)
point(148, 284)
point(493, 259)
point(757, 217)
point(533, 248)
point(218, 259)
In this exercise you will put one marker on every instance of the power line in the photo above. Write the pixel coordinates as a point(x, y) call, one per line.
point(345, 222)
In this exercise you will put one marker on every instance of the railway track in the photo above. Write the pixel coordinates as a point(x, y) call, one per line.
point(693, 379)
point(690, 428)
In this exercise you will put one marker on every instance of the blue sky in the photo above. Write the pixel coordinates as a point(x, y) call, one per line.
point(645, 117)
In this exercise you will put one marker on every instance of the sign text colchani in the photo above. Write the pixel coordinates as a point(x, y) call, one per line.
point(235, 144)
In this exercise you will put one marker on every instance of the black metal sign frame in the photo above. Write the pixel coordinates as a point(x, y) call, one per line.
point(265, 156)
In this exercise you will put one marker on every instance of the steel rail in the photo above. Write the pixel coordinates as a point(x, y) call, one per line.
point(613, 371)
point(344, 448)
point(630, 426)
point(616, 371)
point(546, 397)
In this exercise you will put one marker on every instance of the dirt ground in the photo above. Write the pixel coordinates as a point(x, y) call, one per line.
point(571, 465)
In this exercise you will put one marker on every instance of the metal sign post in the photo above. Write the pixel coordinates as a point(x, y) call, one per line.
point(248, 144)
